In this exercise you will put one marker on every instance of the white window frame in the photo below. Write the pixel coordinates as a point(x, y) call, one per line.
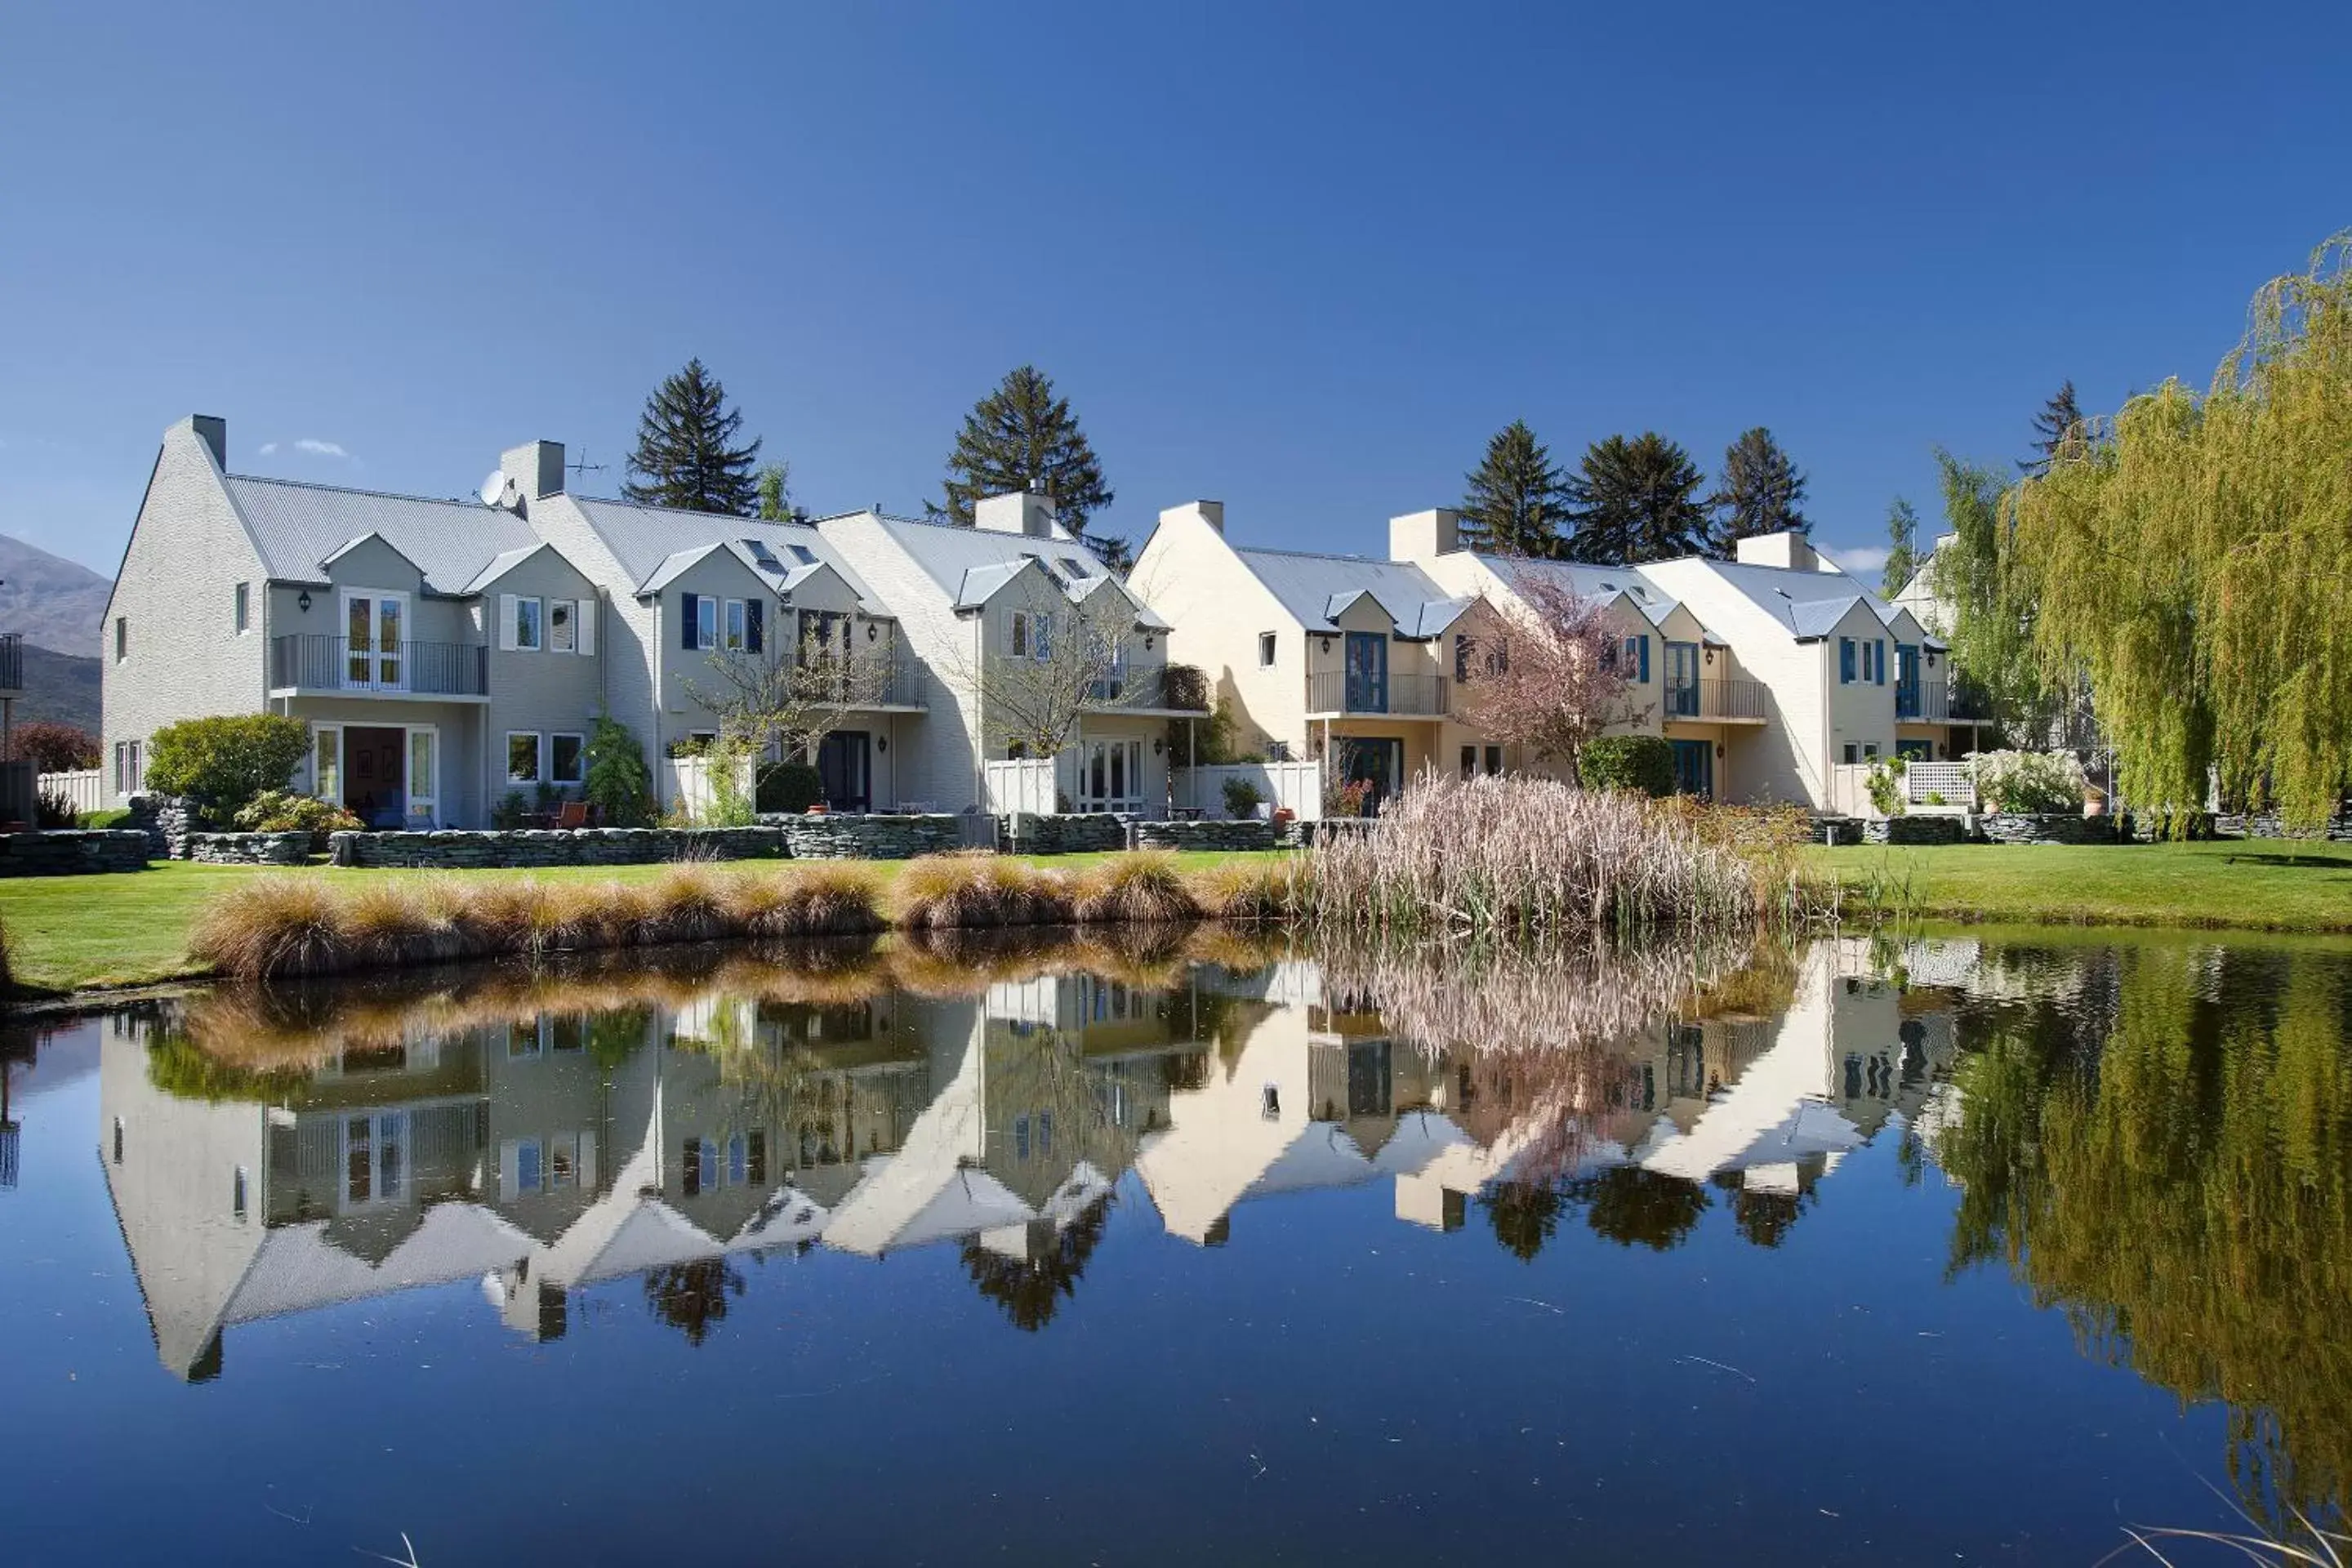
point(375, 661)
point(424, 801)
point(705, 623)
point(1017, 641)
point(530, 607)
point(244, 613)
point(539, 756)
point(579, 758)
point(1267, 648)
point(319, 735)
point(563, 626)
point(121, 638)
point(734, 625)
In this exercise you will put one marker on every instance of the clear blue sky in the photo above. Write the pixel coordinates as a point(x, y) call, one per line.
point(1301, 260)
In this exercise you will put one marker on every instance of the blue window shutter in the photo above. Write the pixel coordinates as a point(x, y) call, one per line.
point(1878, 658)
point(755, 615)
point(689, 615)
point(1645, 658)
point(1845, 661)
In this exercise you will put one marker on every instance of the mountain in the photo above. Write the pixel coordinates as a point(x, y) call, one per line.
point(56, 603)
point(59, 687)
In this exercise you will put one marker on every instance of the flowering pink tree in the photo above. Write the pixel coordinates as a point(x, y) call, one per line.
point(1549, 678)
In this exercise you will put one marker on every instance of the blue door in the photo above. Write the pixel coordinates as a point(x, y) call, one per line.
point(1375, 761)
point(1368, 672)
point(1695, 767)
point(1682, 679)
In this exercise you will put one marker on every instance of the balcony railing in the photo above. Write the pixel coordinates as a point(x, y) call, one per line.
point(1940, 705)
point(1723, 696)
point(1143, 688)
point(1408, 695)
point(395, 669)
point(12, 661)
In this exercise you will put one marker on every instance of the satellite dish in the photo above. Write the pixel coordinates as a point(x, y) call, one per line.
point(495, 488)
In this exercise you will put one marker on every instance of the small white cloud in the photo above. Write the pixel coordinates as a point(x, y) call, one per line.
point(267, 446)
point(319, 448)
point(1860, 558)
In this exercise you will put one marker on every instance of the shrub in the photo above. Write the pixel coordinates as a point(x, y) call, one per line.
point(113, 816)
point(939, 892)
point(510, 811)
point(54, 748)
point(276, 811)
point(788, 787)
point(2028, 781)
point(271, 926)
point(55, 808)
point(221, 762)
point(1346, 798)
point(1641, 764)
point(617, 785)
point(1242, 798)
point(1266, 888)
point(1885, 786)
point(1141, 886)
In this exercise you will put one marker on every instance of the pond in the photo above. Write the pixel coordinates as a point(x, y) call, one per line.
point(1954, 1248)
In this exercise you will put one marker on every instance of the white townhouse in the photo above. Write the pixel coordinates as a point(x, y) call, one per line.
point(446, 652)
point(1764, 674)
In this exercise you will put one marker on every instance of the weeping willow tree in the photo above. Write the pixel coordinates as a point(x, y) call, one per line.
point(2192, 555)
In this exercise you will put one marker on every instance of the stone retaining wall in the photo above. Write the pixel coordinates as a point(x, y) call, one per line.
point(459, 849)
point(841, 837)
point(1226, 836)
point(2266, 824)
point(73, 851)
point(246, 849)
point(2050, 827)
point(1064, 833)
point(1915, 830)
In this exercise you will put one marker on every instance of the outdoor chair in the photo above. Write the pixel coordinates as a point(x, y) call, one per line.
point(573, 814)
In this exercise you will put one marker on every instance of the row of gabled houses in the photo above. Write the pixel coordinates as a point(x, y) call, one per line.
point(445, 654)
point(545, 1154)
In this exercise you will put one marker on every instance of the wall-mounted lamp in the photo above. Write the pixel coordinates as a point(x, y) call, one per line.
point(871, 631)
point(1147, 645)
point(882, 742)
point(1159, 744)
point(303, 601)
point(1327, 644)
point(1710, 656)
point(1718, 749)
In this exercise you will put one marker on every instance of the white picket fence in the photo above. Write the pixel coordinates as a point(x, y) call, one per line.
point(1026, 784)
point(1295, 786)
point(86, 787)
point(688, 781)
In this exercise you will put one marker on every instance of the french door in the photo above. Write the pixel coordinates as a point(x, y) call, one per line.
point(326, 762)
point(1368, 672)
point(373, 626)
point(1111, 776)
point(844, 769)
point(423, 775)
point(1695, 767)
point(1682, 679)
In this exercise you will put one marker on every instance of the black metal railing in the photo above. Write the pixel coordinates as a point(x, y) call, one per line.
point(1144, 687)
point(1723, 697)
point(1410, 696)
point(12, 661)
point(401, 669)
point(1941, 704)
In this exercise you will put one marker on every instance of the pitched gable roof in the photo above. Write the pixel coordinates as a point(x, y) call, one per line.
point(1317, 589)
point(647, 540)
point(970, 565)
point(298, 528)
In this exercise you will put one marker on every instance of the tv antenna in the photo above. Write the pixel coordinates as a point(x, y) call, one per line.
point(583, 466)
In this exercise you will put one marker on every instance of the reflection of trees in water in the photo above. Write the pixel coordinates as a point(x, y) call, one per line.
point(2181, 1186)
point(692, 1297)
point(1763, 1217)
point(1031, 1289)
point(1525, 1215)
point(1626, 1203)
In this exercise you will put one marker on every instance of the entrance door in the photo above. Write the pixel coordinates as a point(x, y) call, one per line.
point(1373, 761)
point(1111, 776)
point(1368, 672)
point(844, 769)
point(1695, 767)
point(1682, 679)
point(373, 626)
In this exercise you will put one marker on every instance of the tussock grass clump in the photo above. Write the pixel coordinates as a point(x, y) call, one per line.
point(827, 899)
point(1143, 885)
point(272, 926)
point(940, 891)
point(1253, 890)
point(1524, 856)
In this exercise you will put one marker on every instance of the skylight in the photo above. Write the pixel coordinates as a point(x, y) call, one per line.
point(803, 553)
point(763, 555)
point(1076, 567)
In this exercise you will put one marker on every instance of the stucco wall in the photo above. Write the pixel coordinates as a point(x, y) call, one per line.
point(545, 692)
point(1217, 607)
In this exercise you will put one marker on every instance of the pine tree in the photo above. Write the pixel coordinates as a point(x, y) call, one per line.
point(2058, 417)
point(1635, 501)
point(1021, 436)
point(1758, 493)
point(1517, 497)
point(1902, 548)
point(684, 453)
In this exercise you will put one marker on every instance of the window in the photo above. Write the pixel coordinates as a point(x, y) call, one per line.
point(1469, 761)
point(121, 637)
point(1042, 638)
point(565, 752)
point(522, 757)
point(563, 626)
point(529, 625)
point(1870, 751)
point(127, 779)
point(803, 553)
point(1461, 646)
point(1878, 662)
point(527, 1165)
point(243, 607)
point(1076, 567)
point(1494, 759)
point(118, 1155)
point(735, 622)
point(1637, 659)
point(236, 1204)
point(1265, 650)
point(1019, 635)
point(697, 621)
point(1845, 667)
point(1853, 753)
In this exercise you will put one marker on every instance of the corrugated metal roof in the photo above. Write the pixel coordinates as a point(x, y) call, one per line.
point(1589, 582)
point(1809, 603)
point(299, 527)
point(952, 555)
point(644, 538)
point(1309, 585)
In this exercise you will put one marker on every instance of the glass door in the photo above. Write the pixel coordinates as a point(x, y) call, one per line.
point(1111, 776)
point(1695, 767)
point(1682, 679)
point(843, 764)
point(326, 762)
point(1368, 672)
point(423, 776)
point(373, 626)
point(1378, 763)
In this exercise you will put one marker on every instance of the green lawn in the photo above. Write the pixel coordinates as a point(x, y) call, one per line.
point(2257, 885)
point(69, 933)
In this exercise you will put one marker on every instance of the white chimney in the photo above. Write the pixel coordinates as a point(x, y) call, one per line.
point(1419, 536)
point(1024, 513)
point(536, 470)
point(1788, 550)
point(1212, 512)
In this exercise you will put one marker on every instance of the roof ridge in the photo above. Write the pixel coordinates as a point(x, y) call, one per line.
point(1320, 555)
point(690, 511)
point(356, 490)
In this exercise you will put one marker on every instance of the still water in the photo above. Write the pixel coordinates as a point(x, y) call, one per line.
point(1945, 1250)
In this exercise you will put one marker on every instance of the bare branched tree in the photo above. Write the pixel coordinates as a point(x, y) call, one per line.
point(1549, 678)
point(795, 693)
point(1060, 664)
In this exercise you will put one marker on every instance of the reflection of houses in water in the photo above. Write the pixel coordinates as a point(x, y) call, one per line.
point(556, 1151)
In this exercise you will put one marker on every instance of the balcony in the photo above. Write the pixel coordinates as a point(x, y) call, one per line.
point(1940, 705)
point(1143, 691)
point(327, 664)
point(1725, 699)
point(12, 662)
point(1334, 693)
